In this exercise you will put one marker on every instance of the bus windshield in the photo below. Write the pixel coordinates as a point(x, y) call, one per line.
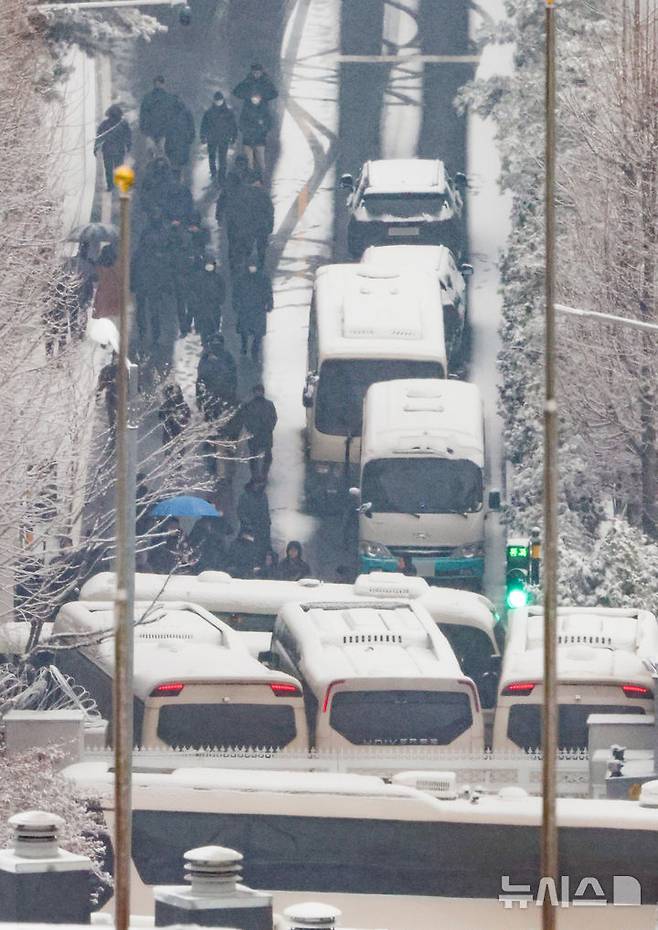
point(397, 718)
point(344, 382)
point(422, 485)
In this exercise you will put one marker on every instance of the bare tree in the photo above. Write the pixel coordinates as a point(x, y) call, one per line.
point(609, 242)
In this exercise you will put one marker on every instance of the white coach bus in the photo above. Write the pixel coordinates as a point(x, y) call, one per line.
point(195, 683)
point(600, 670)
point(377, 673)
point(388, 855)
point(468, 620)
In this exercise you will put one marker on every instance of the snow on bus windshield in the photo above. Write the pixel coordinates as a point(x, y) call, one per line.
point(344, 382)
point(422, 485)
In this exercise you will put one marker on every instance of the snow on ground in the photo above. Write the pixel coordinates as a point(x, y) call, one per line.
point(488, 230)
point(303, 192)
point(403, 98)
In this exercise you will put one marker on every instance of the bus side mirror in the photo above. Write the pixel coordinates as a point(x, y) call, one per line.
point(355, 493)
point(365, 509)
point(347, 182)
point(460, 181)
point(269, 658)
point(494, 500)
point(466, 270)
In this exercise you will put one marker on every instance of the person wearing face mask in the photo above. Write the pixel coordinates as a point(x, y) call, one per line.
point(207, 293)
point(219, 130)
point(256, 82)
point(252, 301)
point(255, 123)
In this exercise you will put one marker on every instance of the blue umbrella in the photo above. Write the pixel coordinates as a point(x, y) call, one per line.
point(184, 506)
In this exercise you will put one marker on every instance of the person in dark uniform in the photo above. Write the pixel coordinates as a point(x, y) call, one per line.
point(252, 301)
point(254, 512)
point(174, 414)
point(217, 379)
point(154, 112)
point(113, 139)
point(219, 129)
point(258, 418)
point(255, 123)
point(107, 384)
point(178, 134)
point(206, 296)
point(256, 82)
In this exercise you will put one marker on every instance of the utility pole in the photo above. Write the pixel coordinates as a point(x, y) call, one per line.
point(124, 604)
point(549, 836)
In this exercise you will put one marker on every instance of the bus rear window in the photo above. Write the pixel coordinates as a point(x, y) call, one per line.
point(396, 718)
point(525, 723)
point(199, 725)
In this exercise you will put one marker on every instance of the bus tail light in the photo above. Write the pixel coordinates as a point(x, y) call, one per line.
point(168, 689)
point(518, 688)
point(283, 689)
point(325, 703)
point(637, 691)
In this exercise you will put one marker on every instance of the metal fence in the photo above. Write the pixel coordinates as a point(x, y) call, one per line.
point(491, 770)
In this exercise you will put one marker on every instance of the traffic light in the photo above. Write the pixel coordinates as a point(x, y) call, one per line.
point(517, 557)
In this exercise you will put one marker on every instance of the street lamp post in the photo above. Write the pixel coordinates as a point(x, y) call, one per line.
point(122, 711)
point(549, 844)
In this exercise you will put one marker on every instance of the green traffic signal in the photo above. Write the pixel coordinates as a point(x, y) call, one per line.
point(516, 597)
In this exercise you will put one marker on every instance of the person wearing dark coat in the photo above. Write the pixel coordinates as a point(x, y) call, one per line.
point(155, 185)
point(179, 207)
point(174, 414)
point(179, 134)
point(256, 82)
point(154, 111)
point(217, 379)
point(107, 384)
point(166, 554)
point(236, 179)
point(293, 567)
point(152, 278)
point(249, 223)
point(255, 123)
point(268, 570)
point(208, 541)
point(258, 418)
point(207, 293)
point(254, 514)
point(252, 301)
point(241, 555)
point(113, 139)
point(219, 129)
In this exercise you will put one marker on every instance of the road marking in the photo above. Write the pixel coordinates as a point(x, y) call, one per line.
point(402, 59)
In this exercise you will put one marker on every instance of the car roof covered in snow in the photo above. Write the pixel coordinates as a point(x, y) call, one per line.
point(377, 640)
point(411, 175)
point(173, 642)
point(368, 312)
point(597, 645)
point(423, 417)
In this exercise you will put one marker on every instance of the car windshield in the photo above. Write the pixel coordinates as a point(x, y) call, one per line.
point(344, 382)
point(422, 485)
point(404, 205)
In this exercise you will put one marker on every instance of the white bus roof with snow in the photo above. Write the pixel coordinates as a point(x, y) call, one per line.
point(435, 259)
point(423, 417)
point(369, 312)
point(379, 852)
point(195, 682)
point(601, 668)
point(593, 644)
point(377, 672)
